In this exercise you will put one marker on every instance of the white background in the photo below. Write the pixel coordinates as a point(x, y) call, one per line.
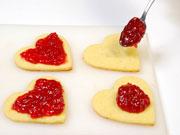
point(163, 24)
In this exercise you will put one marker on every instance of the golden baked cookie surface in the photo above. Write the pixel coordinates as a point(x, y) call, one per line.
point(110, 55)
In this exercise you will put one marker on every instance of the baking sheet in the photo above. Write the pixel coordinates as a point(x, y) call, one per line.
point(81, 83)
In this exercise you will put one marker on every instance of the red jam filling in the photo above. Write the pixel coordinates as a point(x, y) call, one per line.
point(48, 50)
point(46, 99)
point(132, 99)
point(132, 32)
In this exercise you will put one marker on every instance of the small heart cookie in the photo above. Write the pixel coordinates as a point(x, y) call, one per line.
point(104, 103)
point(44, 101)
point(111, 56)
point(50, 53)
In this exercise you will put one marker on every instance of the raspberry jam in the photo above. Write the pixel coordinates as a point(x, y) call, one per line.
point(132, 99)
point(46, 99)
point(132, 32)
point(48, 50)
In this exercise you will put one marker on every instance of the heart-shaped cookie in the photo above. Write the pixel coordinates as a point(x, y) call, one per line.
point(111, 56)
point(44, 101)
point(49, 53)
point(104, 103)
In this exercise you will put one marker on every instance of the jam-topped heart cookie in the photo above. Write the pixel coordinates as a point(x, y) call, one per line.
point(130, 101)
point(43, 102)
point(110, 55)
point(50, 53)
